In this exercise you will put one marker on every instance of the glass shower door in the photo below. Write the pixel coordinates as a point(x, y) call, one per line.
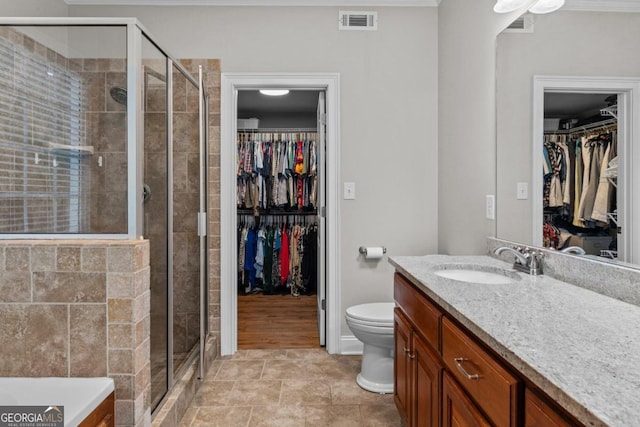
point(186, 205)
point(155, 208)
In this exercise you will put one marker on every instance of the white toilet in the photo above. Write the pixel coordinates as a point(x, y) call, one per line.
point(373, 325)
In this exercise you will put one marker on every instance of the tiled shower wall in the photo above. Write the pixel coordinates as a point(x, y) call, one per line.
point(106, 130)
point(79, 309)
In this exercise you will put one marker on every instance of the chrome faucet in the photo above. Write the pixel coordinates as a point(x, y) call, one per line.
point(577, 250)
point(526, 260)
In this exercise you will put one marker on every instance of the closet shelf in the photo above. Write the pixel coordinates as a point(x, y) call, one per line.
point(611, 110)
point(613, 216)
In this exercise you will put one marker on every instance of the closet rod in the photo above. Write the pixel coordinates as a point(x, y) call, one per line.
point(277, 130)
point(582, 128)
point(283, 213)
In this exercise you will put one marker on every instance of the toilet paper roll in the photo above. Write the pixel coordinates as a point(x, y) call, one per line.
point(374, 253)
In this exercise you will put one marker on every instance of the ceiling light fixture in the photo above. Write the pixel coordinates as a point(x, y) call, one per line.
point(546, 6)
point(534, 6)
point(274, 92)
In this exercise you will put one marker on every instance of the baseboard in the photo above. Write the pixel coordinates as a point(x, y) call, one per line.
point(350, 345)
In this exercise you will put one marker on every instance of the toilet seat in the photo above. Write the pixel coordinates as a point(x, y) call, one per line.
point(374, 314)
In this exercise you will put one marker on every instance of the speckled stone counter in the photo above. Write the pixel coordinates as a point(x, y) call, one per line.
point(580, 347)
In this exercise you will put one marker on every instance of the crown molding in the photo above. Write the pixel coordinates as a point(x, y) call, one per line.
point(570, 5)
point(347, 3)
point(602, 5)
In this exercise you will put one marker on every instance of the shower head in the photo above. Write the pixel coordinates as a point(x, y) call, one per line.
point(119, 94)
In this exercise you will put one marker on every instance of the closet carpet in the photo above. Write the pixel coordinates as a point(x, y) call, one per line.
point(277, 321)
point(295, 387)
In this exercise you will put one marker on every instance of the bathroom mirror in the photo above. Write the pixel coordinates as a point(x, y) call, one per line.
point(563, 54)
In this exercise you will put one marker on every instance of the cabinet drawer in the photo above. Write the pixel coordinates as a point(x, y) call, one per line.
point(538, 414)
point(424, 315)
point(487, 382)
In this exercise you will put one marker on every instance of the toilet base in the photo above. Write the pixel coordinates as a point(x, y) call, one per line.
point(376, 372)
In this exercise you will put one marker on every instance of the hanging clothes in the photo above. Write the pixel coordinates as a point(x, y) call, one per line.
point(606, 190)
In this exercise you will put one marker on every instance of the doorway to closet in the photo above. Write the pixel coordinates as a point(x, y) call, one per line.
point(607, 231)
point(324, 216)
point(280, 286)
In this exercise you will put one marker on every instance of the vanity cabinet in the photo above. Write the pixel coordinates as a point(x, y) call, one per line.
point(457, 409)
point(540, 414)
point(445, 376)
point(417, 376)
point(442, 373)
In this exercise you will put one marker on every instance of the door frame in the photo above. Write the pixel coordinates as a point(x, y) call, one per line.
point(230, 84)
point(628, 90)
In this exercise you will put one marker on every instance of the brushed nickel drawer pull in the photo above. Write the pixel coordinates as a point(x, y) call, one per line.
point(459, 361)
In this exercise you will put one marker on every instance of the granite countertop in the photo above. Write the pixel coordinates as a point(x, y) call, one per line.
point(580, 347)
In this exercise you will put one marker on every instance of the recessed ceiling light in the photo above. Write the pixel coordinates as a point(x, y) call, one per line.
point(274, 92)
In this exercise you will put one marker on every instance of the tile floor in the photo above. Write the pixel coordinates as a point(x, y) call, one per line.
point(301, 387)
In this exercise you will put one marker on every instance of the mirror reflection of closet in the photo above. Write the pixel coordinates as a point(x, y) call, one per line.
point(580, 173)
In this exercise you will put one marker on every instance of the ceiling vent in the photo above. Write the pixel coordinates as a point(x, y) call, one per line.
point(363, 21)
point(523, 24)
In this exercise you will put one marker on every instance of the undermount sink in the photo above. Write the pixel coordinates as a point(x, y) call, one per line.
point(485, 275)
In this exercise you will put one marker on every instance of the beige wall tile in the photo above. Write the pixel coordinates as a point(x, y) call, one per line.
point(43, 258)
point(94, 259)
point(124, 413)
point(120, 259)
point(124, 386)
point(68, 259)
point(17, 258)
point(69, 287)
point(120, 310)
point(88, 340)
point(143, 330)
point(120, 361)
point(120, 285)
point(142, 280)
point(121, 335)
point(142, 355)
point(15, 286)
point(142, 306)
point(142, 380)
point(34, 340)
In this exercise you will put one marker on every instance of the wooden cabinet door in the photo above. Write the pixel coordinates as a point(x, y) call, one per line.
point(539, 414)
point(402, 365)
point(457, 409)
point(428, 376)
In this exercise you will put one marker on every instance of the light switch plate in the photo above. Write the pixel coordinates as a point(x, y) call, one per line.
point(522, 191)
point(349, 191)
point(490, 206)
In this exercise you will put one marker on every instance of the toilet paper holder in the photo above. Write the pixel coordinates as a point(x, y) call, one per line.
point(363, 250)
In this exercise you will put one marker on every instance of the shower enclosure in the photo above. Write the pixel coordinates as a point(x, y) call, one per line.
point(102, 136)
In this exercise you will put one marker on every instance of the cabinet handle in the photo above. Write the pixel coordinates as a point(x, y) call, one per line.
point(408, 353)
point(459, 361)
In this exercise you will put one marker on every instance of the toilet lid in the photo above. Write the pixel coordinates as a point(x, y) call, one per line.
point(381, 312)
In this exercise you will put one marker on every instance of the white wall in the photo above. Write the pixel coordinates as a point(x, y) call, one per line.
point(388, 110)
point(563, 43)
point(466, 122)
point(33, 8)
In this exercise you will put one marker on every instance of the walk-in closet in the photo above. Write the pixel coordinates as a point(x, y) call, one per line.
point(580, 173)
point(278, 184)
